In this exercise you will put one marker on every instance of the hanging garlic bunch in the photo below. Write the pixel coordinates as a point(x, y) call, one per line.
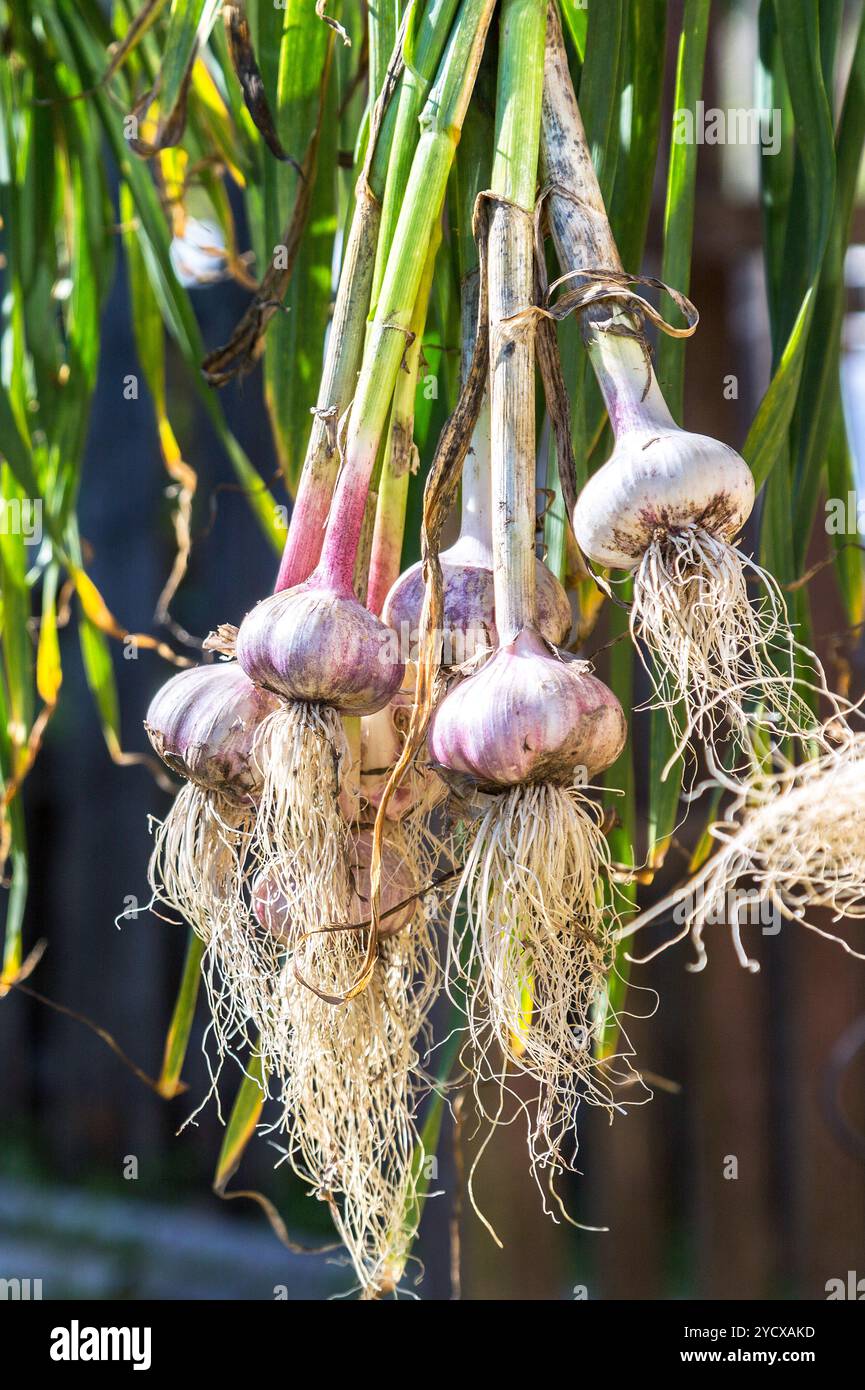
point(316, 646)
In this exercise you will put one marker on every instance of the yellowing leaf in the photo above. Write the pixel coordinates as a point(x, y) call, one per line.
point(49, 672)
point(99, 614)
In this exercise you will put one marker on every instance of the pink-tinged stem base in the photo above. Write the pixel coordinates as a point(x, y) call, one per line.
point(306, 533)
point(335, 569)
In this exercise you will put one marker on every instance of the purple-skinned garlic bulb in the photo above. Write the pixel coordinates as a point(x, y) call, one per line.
point(531, 714)
point(203, 723)
point(316, 645)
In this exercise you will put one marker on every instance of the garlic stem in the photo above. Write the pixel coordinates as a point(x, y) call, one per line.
point(584, 240)
point(472, 176)
point(474, 545)
point(389, 332)
point(345, 344)
point(428, 43)
point(348, 327)
point(387, 538)
point(382, 22)
point(511, 287)
point(476, 522)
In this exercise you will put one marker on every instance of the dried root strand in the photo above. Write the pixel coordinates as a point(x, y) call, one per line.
point(351, 1080)
point(348, 1076)
point(723, 657)
point(532, 957)
point(200, 868)
point(302, 839)
point(196, 866)
point(797, 836)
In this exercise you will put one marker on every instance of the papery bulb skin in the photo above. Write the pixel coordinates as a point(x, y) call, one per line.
point(203, 724)
point(469, 603)
point(529, 715)
point(312, 643)
point(660, 478)
point(382, 736)
point(269, 902)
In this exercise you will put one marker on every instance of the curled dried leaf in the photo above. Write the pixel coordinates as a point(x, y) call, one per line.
point(222, 640)
point(332, 23)
point(251, 82)
point(171, 124)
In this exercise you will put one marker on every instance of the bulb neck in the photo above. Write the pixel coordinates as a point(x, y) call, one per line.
point(303, 543)
point(626, 377)
point(336, 568)
point(584, 242)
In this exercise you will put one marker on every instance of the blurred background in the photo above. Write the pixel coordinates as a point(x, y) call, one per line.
point(745, 1176)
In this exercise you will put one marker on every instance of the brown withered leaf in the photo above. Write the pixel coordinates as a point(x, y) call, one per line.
point(170, 128)
point(137, 29)
point(251, 82)
point(246, 344)
point(334, 24)
point(118, 53)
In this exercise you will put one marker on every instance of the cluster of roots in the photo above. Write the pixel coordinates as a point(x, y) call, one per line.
point(301, 835)
point(351, 1082)
point(793, 839)
point(530, 954)
point(725, 662)
point(201, 868)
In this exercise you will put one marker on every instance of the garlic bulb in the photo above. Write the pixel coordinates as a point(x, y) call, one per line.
point(659, 479)
point(318, 645)
point(203, 724)
point(529, 715)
